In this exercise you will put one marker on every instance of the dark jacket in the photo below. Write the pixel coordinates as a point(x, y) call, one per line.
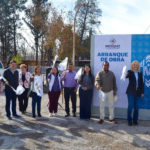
point(131, 90)
point(13, 79)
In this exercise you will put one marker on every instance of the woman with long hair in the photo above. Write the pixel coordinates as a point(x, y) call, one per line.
point(37, 86)
point(135, 91)
point(86, 92)
point(55, 88)
point(24, 80)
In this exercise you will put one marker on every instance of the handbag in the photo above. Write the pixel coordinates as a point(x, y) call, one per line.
point(46, 86)
point(30, 91)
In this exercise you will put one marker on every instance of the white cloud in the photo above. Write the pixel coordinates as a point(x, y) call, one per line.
point(125, 17)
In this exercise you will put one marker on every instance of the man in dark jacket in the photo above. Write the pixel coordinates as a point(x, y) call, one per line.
point(11, 75)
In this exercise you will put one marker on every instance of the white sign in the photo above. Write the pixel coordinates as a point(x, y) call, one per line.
point(116, 49)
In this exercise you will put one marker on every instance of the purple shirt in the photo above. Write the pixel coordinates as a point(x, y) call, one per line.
point(69, 80)
point(55, 86)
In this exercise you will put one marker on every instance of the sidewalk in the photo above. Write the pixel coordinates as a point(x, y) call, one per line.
point(61, 133)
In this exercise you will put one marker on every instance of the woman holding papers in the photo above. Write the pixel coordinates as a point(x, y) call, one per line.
point(55, 88)
point(1, 86)
point(24, 80)
point(86, 92)
point(37, 88)
point(134, 91)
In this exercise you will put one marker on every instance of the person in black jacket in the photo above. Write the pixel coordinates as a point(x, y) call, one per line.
point(135, 91)
point(11, 75)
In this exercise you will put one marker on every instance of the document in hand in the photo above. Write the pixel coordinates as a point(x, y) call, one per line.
point(20, 90)
point(78, 74)
point(54, 61)
point(102, 95)
point(2, 78)
point(124, 70)
point(63, 65)
point(115, 98)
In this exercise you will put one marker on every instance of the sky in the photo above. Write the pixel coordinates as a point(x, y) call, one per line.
point(118, 16)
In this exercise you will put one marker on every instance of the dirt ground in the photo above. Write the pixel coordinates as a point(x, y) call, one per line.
point(61, 133)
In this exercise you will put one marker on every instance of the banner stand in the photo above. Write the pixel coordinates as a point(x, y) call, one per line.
point(144, 114)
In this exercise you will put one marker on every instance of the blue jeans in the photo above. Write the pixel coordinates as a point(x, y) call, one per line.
point(85, 103)
point(133, 102)
point(10, 95)
point(36, 99)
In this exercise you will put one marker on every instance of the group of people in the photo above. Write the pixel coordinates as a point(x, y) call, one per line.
point(105, 82)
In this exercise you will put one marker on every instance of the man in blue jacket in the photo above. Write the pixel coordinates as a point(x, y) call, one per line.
point(11, 75)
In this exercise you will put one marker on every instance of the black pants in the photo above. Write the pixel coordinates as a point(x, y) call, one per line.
point(23, 100)
point(67, 93)
point(10, 96)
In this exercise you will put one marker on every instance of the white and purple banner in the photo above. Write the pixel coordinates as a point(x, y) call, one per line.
point(120, 51)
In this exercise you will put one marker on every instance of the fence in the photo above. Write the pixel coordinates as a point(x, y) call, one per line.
point(43, 68)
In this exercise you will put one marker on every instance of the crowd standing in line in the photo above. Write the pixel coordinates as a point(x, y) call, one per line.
point(105, 82)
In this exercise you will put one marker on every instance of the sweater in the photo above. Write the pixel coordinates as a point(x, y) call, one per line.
point(12, 79)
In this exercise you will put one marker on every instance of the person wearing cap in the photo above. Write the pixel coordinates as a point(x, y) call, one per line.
point(8, 63)
point(135, 91)
point(105, 81)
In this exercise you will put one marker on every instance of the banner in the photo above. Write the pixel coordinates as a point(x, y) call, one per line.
point(120, 51)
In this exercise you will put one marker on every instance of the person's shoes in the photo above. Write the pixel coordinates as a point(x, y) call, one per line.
point(101, 121)
point(113, 121)
point(16, 116)
point(135, 123)
point(74, 114)
point(23, 112)
point(9, 118)
point(86, 119)
point(130, 123)
point(56, 114)
point(67, 115)
point(50, 114)
point(33, 116)
point(39, 115)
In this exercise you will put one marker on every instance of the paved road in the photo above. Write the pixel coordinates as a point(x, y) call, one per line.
point(60, 133)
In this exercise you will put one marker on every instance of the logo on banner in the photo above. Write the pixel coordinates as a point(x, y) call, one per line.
point(145, 64)
point(112, 41)
point(112, 44)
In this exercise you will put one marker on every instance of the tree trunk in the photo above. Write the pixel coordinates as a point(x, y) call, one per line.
point(36, 44)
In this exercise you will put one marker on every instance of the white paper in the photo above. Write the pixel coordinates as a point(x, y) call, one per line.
point(20, 90)
point(54, 61)
point(102, 95)
point(2, 78)
point(63, 65)
point(124, 71)
point(115, 98)
point(78, 74)
point(38, 85)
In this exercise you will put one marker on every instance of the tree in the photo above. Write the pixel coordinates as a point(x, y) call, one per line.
point(60, 36)
point(36, 19)
point(17, 58)
point(9, 23)
point(87, 21)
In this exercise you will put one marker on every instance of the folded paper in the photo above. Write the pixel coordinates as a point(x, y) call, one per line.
point(78, 74)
